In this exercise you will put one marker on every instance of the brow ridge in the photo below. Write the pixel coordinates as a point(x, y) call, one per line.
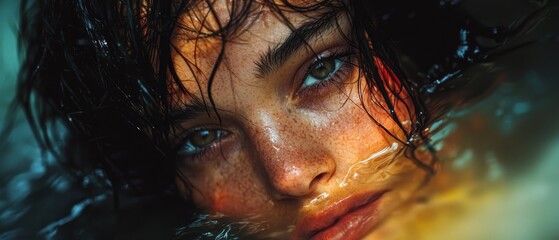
point(277, 55)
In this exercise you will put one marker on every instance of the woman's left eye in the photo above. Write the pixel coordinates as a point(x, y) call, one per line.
point(322, 70)
point(198, 140)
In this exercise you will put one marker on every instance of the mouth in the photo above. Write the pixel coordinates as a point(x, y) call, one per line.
point(349, 218)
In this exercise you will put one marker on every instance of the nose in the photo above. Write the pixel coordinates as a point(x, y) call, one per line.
point(294, 161)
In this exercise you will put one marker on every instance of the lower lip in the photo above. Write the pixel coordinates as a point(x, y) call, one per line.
point(353, 225)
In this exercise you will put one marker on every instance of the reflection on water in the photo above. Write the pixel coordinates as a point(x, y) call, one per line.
point(504, 150)
point(370, 168)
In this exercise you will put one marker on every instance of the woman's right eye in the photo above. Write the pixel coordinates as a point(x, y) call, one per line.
point(199, 140)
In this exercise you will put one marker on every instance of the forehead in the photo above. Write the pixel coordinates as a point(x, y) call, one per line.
point(241, 31)
point(203, 28)
point(230, 18)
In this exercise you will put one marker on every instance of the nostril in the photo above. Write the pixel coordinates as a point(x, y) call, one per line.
point(317, 179)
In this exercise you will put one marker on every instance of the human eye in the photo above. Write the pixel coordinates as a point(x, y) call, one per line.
point(327, 68)
point(198, 141)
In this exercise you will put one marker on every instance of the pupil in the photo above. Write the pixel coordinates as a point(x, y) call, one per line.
point(323, 69)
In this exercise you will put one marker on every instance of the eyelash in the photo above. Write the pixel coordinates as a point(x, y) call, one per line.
point(345, 58)
point(203, 151)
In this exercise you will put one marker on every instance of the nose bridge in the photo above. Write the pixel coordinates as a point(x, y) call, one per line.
point(293, 161)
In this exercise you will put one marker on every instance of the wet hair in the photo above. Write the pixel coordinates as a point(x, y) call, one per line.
point(102, 70)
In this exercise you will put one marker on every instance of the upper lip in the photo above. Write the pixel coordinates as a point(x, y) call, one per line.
point(314, 223)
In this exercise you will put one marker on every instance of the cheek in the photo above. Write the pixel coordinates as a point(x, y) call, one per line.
point(230, 197)
point(230, 202)
point(216, 201)
point(228, 187)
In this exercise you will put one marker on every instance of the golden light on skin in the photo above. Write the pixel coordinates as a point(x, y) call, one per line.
point(287, 154)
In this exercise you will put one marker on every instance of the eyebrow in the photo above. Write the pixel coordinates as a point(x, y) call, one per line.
point(276, 56)
point(189, 111)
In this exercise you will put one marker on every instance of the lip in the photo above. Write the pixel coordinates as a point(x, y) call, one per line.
point(348, 218)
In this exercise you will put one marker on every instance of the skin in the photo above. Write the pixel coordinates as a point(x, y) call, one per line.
point(286, 151)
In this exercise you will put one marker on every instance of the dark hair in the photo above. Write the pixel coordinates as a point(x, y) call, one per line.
point(102, 69)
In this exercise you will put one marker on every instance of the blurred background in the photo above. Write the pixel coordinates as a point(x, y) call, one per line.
point(511, 138)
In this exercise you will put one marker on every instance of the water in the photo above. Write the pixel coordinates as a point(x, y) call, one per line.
point(506, 143)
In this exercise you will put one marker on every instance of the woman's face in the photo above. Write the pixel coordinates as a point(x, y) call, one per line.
point(290, 147)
